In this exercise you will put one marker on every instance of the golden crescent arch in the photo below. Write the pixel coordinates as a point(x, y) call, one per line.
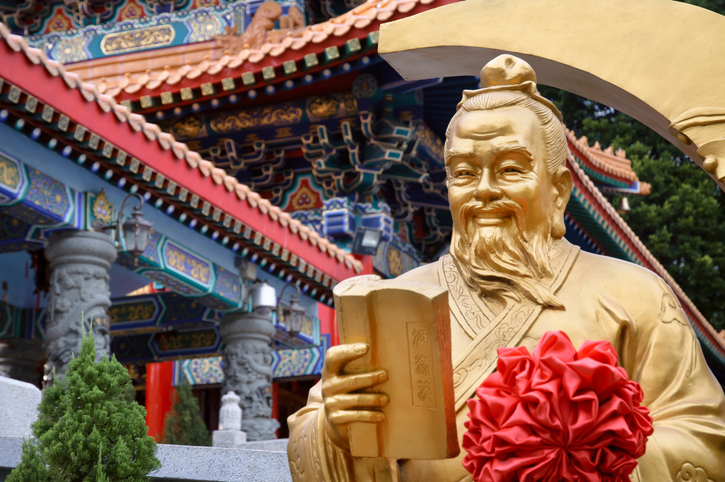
point(659, 61)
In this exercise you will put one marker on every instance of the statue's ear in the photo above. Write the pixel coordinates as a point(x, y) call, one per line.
point(561, 185)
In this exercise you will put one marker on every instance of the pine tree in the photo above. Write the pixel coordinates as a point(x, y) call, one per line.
point(31, 467)
point(183, 424)
point(89, 428)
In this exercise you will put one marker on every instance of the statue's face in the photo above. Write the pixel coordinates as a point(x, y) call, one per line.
point(498, 156)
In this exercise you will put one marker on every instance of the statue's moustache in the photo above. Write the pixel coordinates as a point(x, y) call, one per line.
point(499, 207)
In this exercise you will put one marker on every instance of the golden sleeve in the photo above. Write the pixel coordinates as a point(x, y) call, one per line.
point(686, 402)
point(314, 458)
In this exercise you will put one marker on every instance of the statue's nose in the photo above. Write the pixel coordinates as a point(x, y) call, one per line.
point(486, 189)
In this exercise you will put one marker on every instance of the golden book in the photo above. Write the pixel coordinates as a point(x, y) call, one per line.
point(406, 324)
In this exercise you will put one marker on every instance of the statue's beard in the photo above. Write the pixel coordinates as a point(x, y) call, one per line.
point(503, 260)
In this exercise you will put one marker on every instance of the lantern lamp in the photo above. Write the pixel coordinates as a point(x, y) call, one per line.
point(294, 316)
point(135, 230)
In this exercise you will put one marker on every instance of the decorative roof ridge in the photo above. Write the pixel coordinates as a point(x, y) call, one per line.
point(610, 163)
point(179, 149)
point(359, 17)
point(643, 251)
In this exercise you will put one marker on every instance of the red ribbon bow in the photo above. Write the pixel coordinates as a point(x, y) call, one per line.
point(557, 414)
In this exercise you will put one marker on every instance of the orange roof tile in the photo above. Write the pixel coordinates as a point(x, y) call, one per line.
point(613, 163)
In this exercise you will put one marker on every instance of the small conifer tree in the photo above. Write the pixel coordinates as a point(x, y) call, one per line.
point(31, 467)
point(89, 428)
point(183, 424)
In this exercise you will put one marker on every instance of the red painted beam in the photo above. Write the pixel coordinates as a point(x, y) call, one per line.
point(17, 69)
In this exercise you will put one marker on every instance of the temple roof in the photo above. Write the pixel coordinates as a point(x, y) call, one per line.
point(159, 153)
point(228, 206)
point(173, 68)
point(606, 166)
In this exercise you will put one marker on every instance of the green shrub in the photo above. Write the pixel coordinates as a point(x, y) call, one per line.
point(89, 428)
point(183, 424)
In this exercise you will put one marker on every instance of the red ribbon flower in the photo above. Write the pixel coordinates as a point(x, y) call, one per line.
point(559, 414)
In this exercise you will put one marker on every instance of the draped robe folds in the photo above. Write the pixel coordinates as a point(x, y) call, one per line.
point(605, 299)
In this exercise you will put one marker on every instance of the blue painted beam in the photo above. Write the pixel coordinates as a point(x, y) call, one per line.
point(216, 282)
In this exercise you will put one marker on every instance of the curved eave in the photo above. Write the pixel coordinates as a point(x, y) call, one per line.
point(316, 48)
point(224, 205)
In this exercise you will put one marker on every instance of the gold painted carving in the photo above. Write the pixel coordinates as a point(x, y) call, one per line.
point(690, 473)
point(187, 264)
point(144, 38)
point(102, 208)
point(187, 128)
point(304, 198)
point(394, 261)
point(431, 141)
point(691, 125)
point(671, 310)
point(472, 313)
point(323, 107)
point(142, 311)
point(176, 340)
point(274, 115)
point(9, 173)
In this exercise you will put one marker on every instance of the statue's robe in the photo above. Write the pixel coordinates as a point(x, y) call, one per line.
point(604, 299)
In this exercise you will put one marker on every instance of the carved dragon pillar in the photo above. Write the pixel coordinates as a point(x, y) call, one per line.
point(247, 365)
point(80, 261)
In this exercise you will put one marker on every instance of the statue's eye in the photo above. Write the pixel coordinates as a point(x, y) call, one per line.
point(511, 170)
point(463, 173)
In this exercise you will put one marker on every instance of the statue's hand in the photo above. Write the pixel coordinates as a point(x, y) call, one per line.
point(342, 405)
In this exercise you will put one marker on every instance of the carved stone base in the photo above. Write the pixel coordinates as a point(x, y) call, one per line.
point(20, 359)
point(261, 428)
point(228, 439)
point(80, 261)
point(248, 370)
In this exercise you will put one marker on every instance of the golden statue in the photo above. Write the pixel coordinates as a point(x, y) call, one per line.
point(511, 277)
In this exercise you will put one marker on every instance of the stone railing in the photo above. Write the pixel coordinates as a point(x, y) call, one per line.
point(261, 462)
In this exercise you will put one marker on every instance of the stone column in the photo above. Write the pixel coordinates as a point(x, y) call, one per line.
point(248, 370)
point(80, 261)
point(20, 359)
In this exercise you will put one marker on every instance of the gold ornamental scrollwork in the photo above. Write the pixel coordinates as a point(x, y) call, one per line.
point(287, 113)
point(689, 473)
point(160, 36)
point(9, 173)
point(102, 208)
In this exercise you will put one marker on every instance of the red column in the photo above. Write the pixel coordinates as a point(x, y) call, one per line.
point(328, 324)
point(159, 380)
point(275, 405)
